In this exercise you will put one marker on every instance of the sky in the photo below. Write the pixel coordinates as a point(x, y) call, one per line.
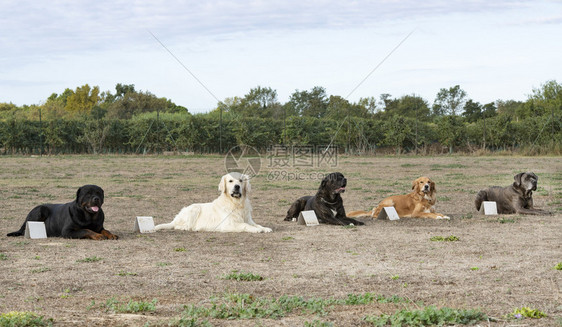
point(197, 53)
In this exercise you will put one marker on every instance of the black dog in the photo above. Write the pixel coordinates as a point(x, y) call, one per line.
point(327, 203)
point(515, 198)
point(81, 218)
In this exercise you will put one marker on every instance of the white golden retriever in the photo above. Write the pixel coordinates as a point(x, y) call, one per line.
point(230, 212)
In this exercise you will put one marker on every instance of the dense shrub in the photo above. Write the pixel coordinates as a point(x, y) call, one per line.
point(155, 133)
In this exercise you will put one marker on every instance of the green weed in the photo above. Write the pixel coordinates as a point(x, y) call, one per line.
point(185, 321)
point(66, 294)
point(429, 316)
point(318, 323)
point(90, 259)
point(451, 238)
point(246, 277)
point(245, 306)
point(163, 264)
point(23, 319)
point(506, 220)
point(558, 266)
point(367, 298)
point(3, 256)
point(453, 165)
point(526, 312)
point(40, 270)
point(130, 307)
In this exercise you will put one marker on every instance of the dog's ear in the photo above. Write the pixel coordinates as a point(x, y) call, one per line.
point(78, 194)
point(432, 185)
point(247, 187)
point(517, 179)
point(324, 182)
point(414, 184)
point(222, 184)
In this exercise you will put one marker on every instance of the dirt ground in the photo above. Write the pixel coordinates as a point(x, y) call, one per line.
point(497, 265)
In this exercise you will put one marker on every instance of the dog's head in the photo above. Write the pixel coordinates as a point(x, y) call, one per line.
point(235, 185)
point(333, 183)
point(90, 198)
point(423, 186)
point(526, 181)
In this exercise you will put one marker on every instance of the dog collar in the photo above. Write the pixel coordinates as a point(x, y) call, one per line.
point(332, 203)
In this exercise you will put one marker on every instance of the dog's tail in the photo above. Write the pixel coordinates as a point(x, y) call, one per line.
point(20, 232)
point(164, 226)
point(360, 213)
point(480, 197)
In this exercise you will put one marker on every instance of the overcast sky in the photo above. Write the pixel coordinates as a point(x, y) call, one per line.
point(492, 49)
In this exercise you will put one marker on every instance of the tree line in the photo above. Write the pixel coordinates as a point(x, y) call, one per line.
point(86, 120)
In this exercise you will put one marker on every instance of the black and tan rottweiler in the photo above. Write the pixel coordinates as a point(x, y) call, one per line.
point(81, 218)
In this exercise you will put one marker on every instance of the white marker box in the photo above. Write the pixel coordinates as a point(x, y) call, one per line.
point(490, 208)
point(35, 229)
point(388, 213)
point(144, 225)
point(308, 218)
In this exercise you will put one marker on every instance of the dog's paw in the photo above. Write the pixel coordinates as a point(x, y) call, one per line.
point(266, 230)
point(443, 217)
point(109, 235)
point(98, 237)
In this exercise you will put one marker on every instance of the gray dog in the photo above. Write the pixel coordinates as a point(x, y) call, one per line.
point(516, 198)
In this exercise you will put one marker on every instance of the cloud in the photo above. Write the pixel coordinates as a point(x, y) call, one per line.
point(65, 25)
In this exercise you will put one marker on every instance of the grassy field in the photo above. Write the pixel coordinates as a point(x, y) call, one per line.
point(472, 267)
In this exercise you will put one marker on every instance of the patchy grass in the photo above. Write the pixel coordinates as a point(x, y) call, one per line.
point(90, 259)
point(241, 276)
point(450, 238)
point(429, 316)
point(246, 306)
point(526, 312)
point(113, 305)
point(504, 220)
point(318, 323)
point(23, 319)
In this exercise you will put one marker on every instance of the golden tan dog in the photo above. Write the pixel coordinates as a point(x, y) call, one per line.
point(417, 204)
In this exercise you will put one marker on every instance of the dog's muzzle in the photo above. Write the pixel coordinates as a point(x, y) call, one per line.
point(92, 208)
point(236, 192)
point(426, 188)
point(342, 188)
